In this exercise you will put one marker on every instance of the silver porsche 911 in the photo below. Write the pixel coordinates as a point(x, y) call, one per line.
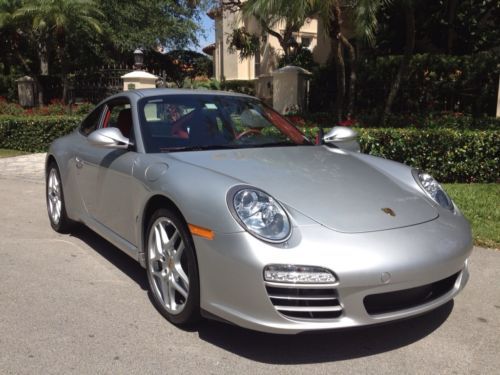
point(236, 215)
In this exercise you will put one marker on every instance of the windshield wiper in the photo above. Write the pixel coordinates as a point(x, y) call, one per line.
point(276, 144)
point(199, 148)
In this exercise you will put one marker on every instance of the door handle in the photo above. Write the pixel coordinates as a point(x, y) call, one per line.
point(79, 162)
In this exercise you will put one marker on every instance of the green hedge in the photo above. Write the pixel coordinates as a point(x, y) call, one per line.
point(242, 86)
point(34, 134)
point(451, 155)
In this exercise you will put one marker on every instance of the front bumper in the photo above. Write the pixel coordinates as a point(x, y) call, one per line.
point(233, 288)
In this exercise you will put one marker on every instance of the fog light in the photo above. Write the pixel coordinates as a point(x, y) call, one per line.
point(285, 273)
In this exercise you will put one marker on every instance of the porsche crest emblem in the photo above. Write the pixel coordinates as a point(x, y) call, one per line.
point(388, 211)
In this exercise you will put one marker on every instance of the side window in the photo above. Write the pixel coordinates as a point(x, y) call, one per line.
point(91, 122)
point(118, 114)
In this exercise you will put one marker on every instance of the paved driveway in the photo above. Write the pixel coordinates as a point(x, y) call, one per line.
point(74, 303)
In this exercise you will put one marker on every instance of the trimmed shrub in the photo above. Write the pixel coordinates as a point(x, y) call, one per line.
point(450, 155)
point(241, 86)
point(34, 134)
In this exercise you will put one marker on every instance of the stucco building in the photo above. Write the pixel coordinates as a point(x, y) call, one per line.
point(229, 66)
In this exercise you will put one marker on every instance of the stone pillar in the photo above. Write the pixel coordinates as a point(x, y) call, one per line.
point(264, 88)
point(290, 89)
point(26, 91)
point(139, 79)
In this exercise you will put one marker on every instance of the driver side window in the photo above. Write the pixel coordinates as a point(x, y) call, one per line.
point(91, 122)
point(118, 114)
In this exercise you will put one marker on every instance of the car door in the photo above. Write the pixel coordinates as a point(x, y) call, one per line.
point(105, 176)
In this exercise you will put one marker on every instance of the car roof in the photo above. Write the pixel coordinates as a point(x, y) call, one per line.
point(143, 93)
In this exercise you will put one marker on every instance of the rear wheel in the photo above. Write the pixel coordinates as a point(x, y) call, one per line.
point(172, 268)
point(55, 200)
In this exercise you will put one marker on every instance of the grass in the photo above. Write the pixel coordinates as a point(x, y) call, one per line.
point(480, 203)
point(4, 153)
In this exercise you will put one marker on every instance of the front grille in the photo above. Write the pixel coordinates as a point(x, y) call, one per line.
point(404, 299)
point(305, 302)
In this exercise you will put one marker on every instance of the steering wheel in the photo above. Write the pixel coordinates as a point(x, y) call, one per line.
point(247, 133)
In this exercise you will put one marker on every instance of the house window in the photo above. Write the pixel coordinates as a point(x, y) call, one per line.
point(306, 41)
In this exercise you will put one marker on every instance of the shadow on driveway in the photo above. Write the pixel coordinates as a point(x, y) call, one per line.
point(323, 346)
point(112, 254)
point(285, 349)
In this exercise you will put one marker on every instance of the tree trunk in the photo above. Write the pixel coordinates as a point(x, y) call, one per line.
point(452, 12)
point(43, 57)
point(338, 59)
point(402, 73)
point(351, 90)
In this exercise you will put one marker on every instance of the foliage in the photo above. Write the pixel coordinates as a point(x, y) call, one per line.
point(55, 108)
point(301, 57)
point(435, 120)
point(451, 155)
point(444, 26)
point(289, 15)
point(480, 203)
point(184, 64)
point(242, 86)
point(34, 134)
point(465, 83)
point(150, 23)
point(322, 89)
point(246, 44)
point(207, 84)
point(430, 120)
point(63, 35)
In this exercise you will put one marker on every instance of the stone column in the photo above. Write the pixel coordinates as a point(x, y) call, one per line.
point(139, 79)
point(26, 91)
point(290, 89)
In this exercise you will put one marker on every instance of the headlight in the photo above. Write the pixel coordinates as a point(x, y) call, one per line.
point(433, 189)
point(259, 214)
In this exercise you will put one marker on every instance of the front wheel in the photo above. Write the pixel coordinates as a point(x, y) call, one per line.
point(55, 200)
point(172, 268)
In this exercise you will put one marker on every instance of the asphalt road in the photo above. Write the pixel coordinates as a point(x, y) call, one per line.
point(75, 304)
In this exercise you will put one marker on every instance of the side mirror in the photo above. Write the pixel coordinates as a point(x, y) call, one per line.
point(109, 138)
point(342, 137)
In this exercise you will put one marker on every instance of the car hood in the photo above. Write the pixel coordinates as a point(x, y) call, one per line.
point(333, 188)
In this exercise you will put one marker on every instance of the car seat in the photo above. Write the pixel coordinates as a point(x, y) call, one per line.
point(124, 122)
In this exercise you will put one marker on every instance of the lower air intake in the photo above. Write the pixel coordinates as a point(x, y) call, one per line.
point(305, 302)
point(405, 299)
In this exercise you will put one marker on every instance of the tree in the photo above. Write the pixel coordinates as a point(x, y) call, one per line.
point(52, 20)
point(293, 15)
point(402, 74)
point(290, 15)
point(151, 24)
point(14, 39)
point(181, 65)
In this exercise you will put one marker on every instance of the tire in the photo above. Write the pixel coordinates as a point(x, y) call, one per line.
point(54, 195)
point(172, 268)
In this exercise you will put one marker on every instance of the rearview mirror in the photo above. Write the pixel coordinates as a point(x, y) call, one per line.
point(109, 138)
point(342, 137)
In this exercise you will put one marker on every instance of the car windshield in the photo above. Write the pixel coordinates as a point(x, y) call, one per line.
point(172, 123)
